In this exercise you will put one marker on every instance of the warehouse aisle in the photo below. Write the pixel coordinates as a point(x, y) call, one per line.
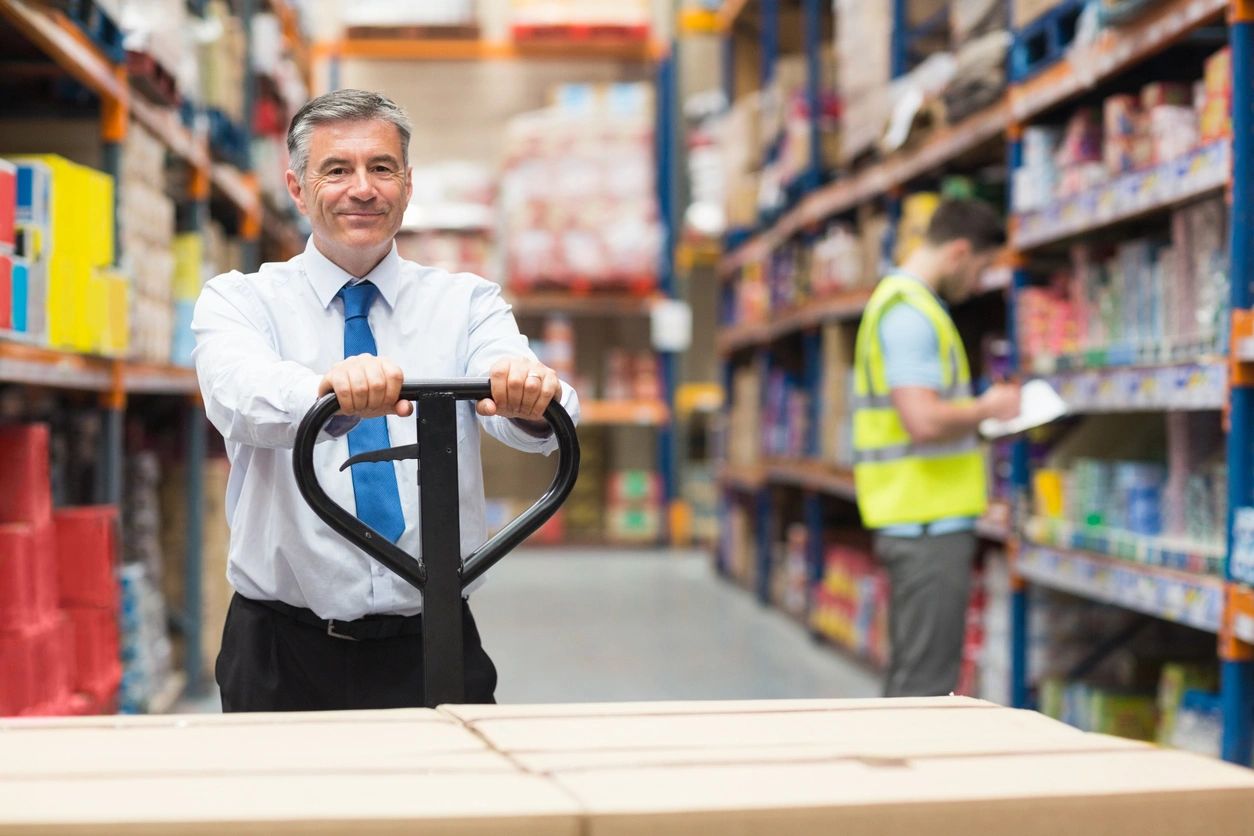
point(589, 626)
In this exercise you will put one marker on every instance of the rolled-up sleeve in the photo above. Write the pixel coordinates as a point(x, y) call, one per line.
point(494, 335)
point(251, 395)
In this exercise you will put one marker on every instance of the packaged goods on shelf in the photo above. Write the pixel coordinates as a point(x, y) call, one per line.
point(744, 441)
point(916, 213)
point(147, 220)
point(146, 650)
point(631, 376)
point(790, 572)
point(1215, 102)
point(700, 492)
point(971, 19)
point(863, 72)
point(835, 416)
point(1174, 684)
point(634, 506)
point(223, 62)
point(409, 13)
point(785, 416)
point(787, 123)
point(163, 30)
point(631, 14)
point(741, 145)
point(737, 544)
point(65, 212)
point(1145, 300)
point(8, 206)
point(591, 150)
point(850, 604)
point(979, 76)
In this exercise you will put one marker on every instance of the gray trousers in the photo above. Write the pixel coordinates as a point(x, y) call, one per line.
point(930, 579)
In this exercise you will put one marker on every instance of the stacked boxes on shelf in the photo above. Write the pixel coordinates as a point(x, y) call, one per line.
point(786, 416)
point(786, 127)
point(147, 219)
point(36, 639)
point(578, 196)
point(146, 651)
point(741, 143)
point(1146, 299)
point(215, 589)
point(58, 593)
point(863, 73)
point(86, 548)
point(1163, 123)
point(1176, 503)
point(850, 603)
point(634, 508)
point(223, 61)
point(65, 214)
point(744, 422)
point(790, 572)
point(189, 271)
point(543, 18)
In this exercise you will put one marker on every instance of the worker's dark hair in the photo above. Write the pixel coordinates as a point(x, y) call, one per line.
point(971, 220)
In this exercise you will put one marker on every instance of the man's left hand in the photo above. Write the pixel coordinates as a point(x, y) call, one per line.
point(521, 389)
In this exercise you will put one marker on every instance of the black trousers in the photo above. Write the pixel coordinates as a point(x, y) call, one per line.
point(271, 661)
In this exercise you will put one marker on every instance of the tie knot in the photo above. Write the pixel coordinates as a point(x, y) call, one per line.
point(357, 299)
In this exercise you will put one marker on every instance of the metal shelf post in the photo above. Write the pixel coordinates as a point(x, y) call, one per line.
point(769, 39)
point(1236, 676)
point(193, 556)
point(813, 25)
point(1020, 691)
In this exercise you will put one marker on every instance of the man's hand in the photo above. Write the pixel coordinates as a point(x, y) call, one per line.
point(1001, 401)
point(367, 386)
point(521, 389)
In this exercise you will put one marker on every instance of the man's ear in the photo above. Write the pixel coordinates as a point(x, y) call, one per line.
point(409, 184)
point(294, 189)
point(956, 252)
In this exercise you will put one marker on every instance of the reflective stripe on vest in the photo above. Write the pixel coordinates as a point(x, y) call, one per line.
point(898, 480)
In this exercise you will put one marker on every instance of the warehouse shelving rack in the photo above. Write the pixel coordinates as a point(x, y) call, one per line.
point(1222, 604)
point(661, 55)
point(117, 379)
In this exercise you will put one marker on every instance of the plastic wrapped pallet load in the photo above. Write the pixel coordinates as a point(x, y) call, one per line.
point(861, 767)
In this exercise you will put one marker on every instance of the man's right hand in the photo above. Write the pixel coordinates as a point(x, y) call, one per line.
point(367, 386)
point(1001, 401)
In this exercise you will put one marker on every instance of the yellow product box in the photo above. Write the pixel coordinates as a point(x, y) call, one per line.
point(111, 302)
point(1048, 488)
point(189, 257)
point(80, 237)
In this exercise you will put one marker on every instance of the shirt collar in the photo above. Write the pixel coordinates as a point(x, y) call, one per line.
point(905, 274)
point(327, 277)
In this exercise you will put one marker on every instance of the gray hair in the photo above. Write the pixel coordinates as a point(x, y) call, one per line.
point(342, 106)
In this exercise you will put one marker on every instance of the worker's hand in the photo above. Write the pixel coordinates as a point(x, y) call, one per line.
point(367, 386)
point(521, 389)
point(1001, 401)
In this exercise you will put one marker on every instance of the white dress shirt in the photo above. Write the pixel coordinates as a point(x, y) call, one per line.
point(263, 343)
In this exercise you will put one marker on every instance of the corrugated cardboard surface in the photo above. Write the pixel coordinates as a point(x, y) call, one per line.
point(855, 767)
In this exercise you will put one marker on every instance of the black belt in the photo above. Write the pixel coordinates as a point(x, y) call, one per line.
point(363, 629)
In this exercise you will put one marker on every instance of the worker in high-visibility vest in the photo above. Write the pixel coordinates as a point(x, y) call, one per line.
point(919, 467)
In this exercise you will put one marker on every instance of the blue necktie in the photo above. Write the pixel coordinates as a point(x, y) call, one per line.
point(374, 483)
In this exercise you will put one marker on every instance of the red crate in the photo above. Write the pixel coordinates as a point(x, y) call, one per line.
point(25, 490)
point(95, 649)
point(17, 672)
point(86, 554)
point(44, 565)
point(51, 664)
point(17, 576)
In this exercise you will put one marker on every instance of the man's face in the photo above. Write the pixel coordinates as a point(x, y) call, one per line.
point(964, 267)
point(356, 186)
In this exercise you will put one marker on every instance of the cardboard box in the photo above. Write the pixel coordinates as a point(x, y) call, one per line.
point(944, 766)
point(345, 772)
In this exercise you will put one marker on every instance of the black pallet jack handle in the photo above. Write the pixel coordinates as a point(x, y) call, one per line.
point(440, 574)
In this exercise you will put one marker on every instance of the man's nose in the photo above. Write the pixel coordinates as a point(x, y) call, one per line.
point(362, 187)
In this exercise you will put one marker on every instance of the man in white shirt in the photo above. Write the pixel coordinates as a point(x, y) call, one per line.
point(315, 624)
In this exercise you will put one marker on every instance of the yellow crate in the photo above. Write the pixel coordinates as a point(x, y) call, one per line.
point(189, 258)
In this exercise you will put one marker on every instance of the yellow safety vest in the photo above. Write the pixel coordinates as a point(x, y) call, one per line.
point(899, 481)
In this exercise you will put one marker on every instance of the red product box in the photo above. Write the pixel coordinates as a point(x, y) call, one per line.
point(44, 570)
point(96, 652)
point(17, 663)
point(25, 490)
point(86, 550)
point(6, 290)
point(51, 680)
point(8, 204)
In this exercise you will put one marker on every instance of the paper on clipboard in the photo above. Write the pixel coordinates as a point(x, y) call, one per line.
point(1040, 406)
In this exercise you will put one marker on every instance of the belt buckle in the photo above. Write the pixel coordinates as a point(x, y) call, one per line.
point(331, 632)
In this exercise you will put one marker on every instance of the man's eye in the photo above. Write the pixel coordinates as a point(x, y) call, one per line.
point(383, 169)
point(337, 172)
